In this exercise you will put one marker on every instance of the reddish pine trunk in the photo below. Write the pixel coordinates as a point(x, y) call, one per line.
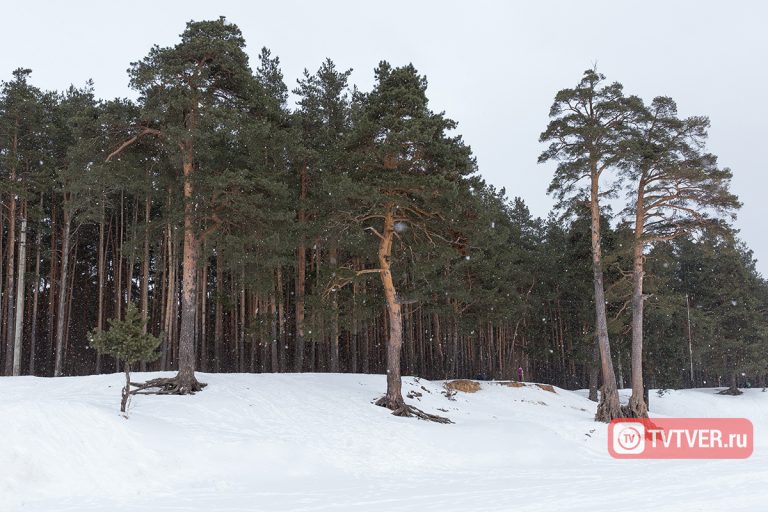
point(186, 381)
point(394, 397)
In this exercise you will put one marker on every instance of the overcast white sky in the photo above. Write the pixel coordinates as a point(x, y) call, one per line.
point(492, 66)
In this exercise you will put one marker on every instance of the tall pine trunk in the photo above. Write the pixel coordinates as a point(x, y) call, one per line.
point(394, 398)
point(594, 371)
point(145, 274)
point(71, 287)
point(117, 256)
point(53, 287)
point(281, 323)
point(204, 316)
point(11, 281)
point(273, 331)
point(241, 329)
point(19, 327)
point(218, 329)
point(334, 341)
point(101, 264)
point(130, 264)
point(354, 336)
point(608, 408)
point(301, 275)
point(637, 406)
point(186, 381)
point(170, 319)
point(11, 248)
point(35, 295)
point(61, 309)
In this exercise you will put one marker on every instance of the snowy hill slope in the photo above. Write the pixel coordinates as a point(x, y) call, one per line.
point(309, 442)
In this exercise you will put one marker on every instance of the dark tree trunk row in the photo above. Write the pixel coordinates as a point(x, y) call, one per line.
point(256, 327)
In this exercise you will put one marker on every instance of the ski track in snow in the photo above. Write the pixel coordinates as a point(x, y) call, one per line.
point(315, 442)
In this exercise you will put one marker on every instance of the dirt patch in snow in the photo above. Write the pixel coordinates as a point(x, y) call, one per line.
point(465, 385)
point(547, 387)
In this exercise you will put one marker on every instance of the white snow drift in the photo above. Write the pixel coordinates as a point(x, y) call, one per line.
point(311, 442)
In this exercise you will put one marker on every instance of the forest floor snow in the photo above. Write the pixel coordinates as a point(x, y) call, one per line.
point(315, 442)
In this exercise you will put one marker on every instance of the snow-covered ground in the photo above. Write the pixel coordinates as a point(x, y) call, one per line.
point(314, 442)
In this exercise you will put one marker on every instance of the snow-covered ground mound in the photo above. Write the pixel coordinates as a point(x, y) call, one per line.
point(309, 442)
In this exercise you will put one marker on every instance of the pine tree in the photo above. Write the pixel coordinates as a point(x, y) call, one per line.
point(187, 92)
point(585, 140)
point(127, 341)
point(23, 157)
point(678, 189)
point(322, 125)
point(729, 298)
point(75, 121)
point(400, 188)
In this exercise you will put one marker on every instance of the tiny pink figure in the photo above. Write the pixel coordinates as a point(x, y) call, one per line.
point(520, 374)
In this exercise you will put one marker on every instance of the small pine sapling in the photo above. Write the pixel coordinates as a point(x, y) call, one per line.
point(126, 341)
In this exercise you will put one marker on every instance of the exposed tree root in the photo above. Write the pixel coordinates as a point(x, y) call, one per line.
point(634, 409)
point(400, 408)
point(628, 412)
point(608, 407)
point(167, 386)
point(733, 391)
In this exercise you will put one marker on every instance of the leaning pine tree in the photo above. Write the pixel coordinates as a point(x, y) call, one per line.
point(400, 189)
point(585, 136)
point(126, 341)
